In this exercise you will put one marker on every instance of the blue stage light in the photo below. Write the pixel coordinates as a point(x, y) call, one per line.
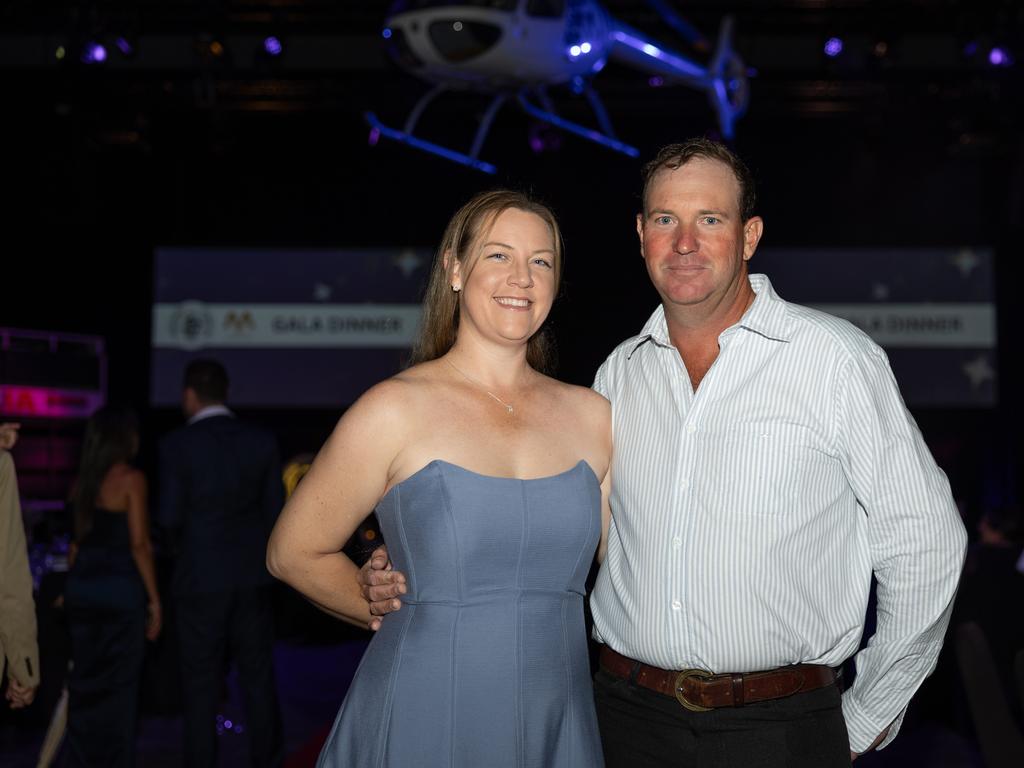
point(998, 57)
point(833, 47)
point(93, 53)
point(272, 46)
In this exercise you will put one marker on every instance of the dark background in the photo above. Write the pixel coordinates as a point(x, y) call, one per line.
point(921, 145)
point(917, 142)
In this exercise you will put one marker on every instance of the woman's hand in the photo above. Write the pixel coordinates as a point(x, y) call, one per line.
point(154, 620)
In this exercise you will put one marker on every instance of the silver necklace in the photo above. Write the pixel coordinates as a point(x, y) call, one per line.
point(508, 408)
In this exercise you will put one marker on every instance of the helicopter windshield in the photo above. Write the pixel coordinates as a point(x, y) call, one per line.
point(463, 40)
point(418, 5)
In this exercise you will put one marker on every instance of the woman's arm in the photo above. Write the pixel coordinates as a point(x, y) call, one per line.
point(347, 479)
point(142, 549)
point(606, 513)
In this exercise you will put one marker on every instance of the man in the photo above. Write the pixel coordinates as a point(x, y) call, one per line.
point(220, 492)
point(18, 646)
point(765, 466)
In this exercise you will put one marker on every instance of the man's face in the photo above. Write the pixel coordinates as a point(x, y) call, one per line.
point(691, 236)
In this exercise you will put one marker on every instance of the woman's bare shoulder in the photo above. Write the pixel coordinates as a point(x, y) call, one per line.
point(125, 476)
point(392, 403)
point(594, 403)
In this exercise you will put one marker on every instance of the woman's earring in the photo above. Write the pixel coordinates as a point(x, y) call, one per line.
point(456, 288)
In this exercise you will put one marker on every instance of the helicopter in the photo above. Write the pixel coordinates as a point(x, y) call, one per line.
point(517, 49)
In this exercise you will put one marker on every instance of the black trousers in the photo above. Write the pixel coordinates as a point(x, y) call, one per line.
point(238, 622)
point(107, 648)
point(644, 729)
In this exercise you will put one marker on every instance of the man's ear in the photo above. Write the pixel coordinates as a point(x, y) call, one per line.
point(753, 228)
point(640, 232)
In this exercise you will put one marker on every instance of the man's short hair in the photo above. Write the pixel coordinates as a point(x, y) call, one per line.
point(209, 380)
point(675, 156)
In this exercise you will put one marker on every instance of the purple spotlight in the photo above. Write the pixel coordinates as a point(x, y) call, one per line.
point(386, 33)
point(124, 46)
point(93, 53)
point(374, 136)
point(997, 57)
point(272, 46)
point(833, 47)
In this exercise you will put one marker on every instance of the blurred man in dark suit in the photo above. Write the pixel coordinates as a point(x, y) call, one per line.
point(220, 493)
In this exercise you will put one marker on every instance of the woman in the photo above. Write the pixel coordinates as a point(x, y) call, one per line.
point(490, 483)
point(111, 597)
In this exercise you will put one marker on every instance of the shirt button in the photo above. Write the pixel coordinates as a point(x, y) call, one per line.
point(684, 484)
point(677, 542)
point(676, 605)
point(691, 428)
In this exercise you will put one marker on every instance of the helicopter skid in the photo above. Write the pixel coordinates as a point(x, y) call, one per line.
point(427, 146)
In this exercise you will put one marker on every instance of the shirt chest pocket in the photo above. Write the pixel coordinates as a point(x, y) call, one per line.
point(763, 469)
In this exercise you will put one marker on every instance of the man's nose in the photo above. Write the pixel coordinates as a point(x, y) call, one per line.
point(685, 239)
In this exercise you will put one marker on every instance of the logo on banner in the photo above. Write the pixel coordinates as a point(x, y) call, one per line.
point(191, 325)
point(239, 323)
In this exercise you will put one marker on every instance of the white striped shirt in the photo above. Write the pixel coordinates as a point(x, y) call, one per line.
point(747, 517)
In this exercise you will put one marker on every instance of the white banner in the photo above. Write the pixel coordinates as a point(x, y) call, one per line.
point(197, 325)
point(921, 325)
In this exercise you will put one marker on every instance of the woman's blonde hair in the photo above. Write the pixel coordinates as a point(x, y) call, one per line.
point(441, 304)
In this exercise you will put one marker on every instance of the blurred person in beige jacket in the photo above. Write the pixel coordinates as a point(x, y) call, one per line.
point(18, 647)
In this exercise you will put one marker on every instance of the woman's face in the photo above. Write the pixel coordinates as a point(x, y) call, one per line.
point(508, 279)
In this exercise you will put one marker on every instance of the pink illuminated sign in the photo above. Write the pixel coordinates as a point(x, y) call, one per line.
point(48, 403)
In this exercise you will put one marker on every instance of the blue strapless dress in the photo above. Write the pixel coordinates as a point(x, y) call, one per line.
point(486, 663)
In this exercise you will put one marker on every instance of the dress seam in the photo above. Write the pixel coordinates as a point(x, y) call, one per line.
point(390, 696)
point(396, 666)
point(520, 722)
point(570, 714)
point(453, 734)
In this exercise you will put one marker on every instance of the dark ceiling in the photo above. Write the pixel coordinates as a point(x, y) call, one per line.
point(909, 137)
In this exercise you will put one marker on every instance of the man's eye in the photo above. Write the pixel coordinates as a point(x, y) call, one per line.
point(711, 219)
point(663, 220)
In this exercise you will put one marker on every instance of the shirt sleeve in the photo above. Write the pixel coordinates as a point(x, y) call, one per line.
point(601, 380)
point(916, 541)
point(17, 609)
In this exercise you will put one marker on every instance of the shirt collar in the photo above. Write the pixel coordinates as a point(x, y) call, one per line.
point(209, 411)
point(765, 316)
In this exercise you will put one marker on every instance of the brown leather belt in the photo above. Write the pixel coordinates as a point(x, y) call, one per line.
point(700, 691)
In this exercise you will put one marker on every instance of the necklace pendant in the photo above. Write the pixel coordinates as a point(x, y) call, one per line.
point(509, 409)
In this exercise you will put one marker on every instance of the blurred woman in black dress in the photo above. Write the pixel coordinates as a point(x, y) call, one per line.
point(111, 597)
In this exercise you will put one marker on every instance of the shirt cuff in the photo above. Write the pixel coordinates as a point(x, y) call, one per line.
point(862, 728)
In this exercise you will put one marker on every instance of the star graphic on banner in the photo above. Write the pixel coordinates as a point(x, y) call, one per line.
point(979, 371)
point(966, 261)
point(322, 291)
point(879, 291)
point(408, 262)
